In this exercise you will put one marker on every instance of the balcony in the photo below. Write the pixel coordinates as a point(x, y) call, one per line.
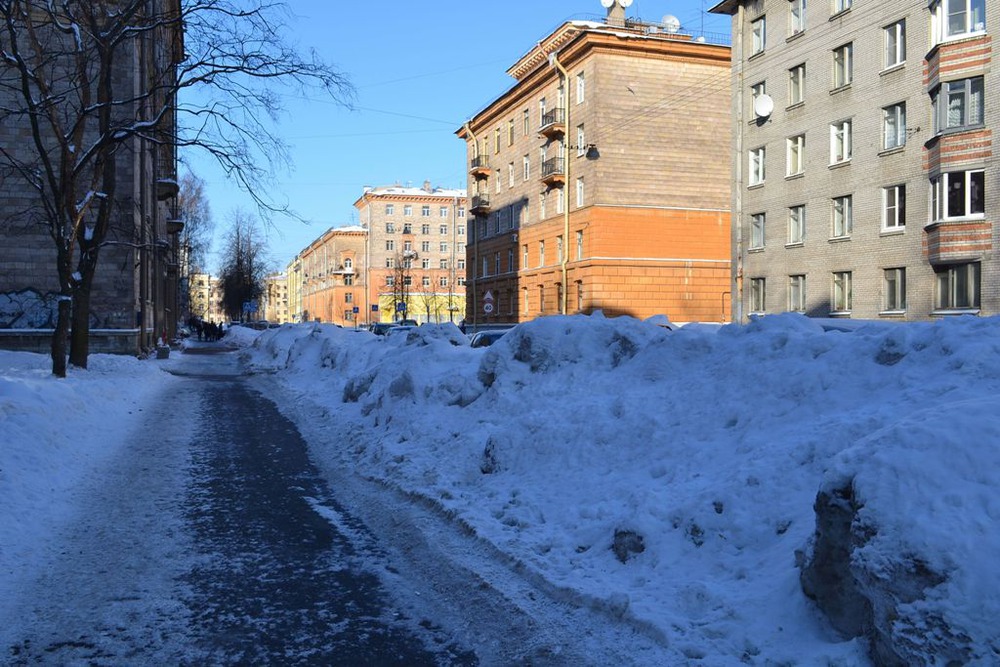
point(479, 168)
point(554, 172)
point(480, 205)
point(553, 124)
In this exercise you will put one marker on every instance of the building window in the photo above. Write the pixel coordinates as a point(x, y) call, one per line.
point(796, 16)
point(407, 210)
point(390, 228)
point(757, 221)
point(581, 88)
point(496, 263)
point(843, 216)
point(758, 290)
point(425, 281)
point(443, 230)
point(425, 211)
point(407, 246)
point(443, 264)
point(349, 297)
point(895, 44)
point(795, 155)
point(461, 211)
point(757, 166)
point(390, 245)
point(407, 228)
point(560, 200)
point(894, 126)
point(843, 65)
point(841, 6)
point(510, 132)
point(425, 246)
point(542, 199)
point(510, 175)
point(443, 281)
point(348, 281)
point(407, 280)
point(526, 122)
point(461, 230)
point(541, 253)
point(460, 264)
point(443, 212)
point(390, 262)
point(797, 293)
point(425, 229)
point(541, 112)
point(526, 167)
point(958, 104)
point(579, 192)
point(389, 209)
point(797, 84)
point(842, 292)
point(496, 141)
point(486, 266)
point(894, 207)
point(894, 290)
point(758, 30)
point(443, 247)
point(957, 286)
point(559, 249)
point(425, 263)
point(390, 280)
point(796, 224)
point(581, 141)
point(956, 18)
point(958, 194)
point(840, 141)
point(756, 90)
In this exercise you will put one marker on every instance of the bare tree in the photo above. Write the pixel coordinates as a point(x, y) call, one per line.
point(194, 211)
point(67, 74)
point(399, 283)
point(245, 264)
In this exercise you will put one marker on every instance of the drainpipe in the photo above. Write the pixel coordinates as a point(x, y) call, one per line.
point(554, 61)
point(475, 262)
point(737, 218)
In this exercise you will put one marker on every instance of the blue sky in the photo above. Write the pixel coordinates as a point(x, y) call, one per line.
point(420, 70)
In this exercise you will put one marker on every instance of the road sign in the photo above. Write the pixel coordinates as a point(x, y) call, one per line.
point(488, 307)
point(401, 307)
point(356, 309)
point(374, 307)
point(488, 296)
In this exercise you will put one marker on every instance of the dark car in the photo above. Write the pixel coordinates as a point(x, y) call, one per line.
point(407, 323)
point(486, 338)
point(380, 328)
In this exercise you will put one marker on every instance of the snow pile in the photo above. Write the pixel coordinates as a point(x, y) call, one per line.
point(710, 445)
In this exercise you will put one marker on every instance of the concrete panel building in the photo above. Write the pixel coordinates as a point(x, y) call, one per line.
point(601, 179)
point(865, 179)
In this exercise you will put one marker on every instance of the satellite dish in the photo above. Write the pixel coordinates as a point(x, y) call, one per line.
point(763, 105)
point(671, 23)
point(625, 3)
point(607, 3)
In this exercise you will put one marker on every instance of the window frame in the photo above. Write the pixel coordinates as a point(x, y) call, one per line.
point(966, 91)
point(894, 207)
point(797, 84)
point(842, 217)
point(796, 17)
point(894, 126)
point(842, 293)
point(843, 66)
point(894, 290)
point(894, 44)
point(941, 20)
point(796, 232)
point(797, 293)
point(757, 172)
point(758, 230)
point(941, 200)
point(841, 141)
point(758, 295)
point(955, 291)
point(758, 35)
point(795, 153)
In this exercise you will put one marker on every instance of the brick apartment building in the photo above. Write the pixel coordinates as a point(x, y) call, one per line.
point(330, 278)
point(135, 296)
point(416, 253)
point(601, 179)
point(865, 184)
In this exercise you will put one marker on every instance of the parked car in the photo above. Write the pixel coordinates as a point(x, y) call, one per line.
point(399, 331)
point(380, 328)
point(408, 323)
point(486, 338)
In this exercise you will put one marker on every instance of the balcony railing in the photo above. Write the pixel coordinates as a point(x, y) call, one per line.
point(553, 122)
point(480, 166)
point(480, 204)
point(553, 170)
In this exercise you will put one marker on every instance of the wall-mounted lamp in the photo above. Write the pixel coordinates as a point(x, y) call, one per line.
point(591, 151)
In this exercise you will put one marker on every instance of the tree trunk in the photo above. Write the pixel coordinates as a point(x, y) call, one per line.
point(79, 347)
point(59, 336)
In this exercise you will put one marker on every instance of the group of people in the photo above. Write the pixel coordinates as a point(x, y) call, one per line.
point(207, 331)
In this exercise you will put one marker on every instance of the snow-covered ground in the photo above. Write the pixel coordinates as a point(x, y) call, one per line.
point(708, 443)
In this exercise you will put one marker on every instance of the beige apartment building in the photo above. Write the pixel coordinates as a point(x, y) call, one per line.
point(601, 179)
point(276, 298)
point(205, 297)
point(863, 158)
point(416, 253)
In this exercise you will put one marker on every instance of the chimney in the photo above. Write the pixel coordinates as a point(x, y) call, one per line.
point(427, 186)
point(616, 15)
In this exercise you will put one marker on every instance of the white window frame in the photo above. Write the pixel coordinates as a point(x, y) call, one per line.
point(894, 126)
point(581, 87)
point(758, 295)
point(758, 228)
point(955, 19)
point(894, 290)
point(580, 191)
point(968, 182)
point(579, 244)
point(526, 167)
point(510, 174)
point(842, 297)
point(758, 32)
point(796, 224)
point(797, 84)
point(842, 216)
point(843, 65)
point(796, 17)
point(894, 207)
point(841, 148)
point(894, 40)
point(757, 159)
point(797, 293)
point(795, 153)
point(841, 6)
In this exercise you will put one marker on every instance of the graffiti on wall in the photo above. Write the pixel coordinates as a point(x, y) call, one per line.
point(28, 309)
